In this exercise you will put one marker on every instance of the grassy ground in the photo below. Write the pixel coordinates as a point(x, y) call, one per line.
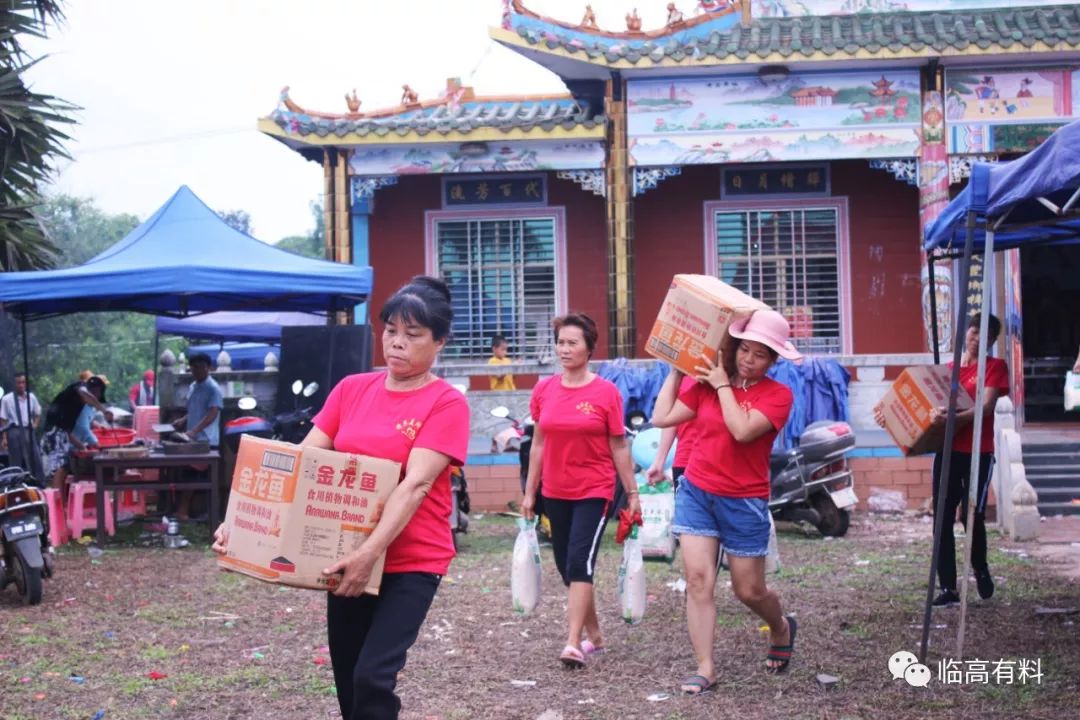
point(231, 647)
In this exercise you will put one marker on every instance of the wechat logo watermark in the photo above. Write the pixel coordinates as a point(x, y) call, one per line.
point(905, 665)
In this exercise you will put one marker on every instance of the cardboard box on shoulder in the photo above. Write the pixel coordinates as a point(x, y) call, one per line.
point(295, 510)
point(907, 405)
point(693, 319)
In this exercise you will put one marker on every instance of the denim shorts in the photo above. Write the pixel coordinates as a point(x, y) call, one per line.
point(741, 524)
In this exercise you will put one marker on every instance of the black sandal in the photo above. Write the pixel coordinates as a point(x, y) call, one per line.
point(782, 653)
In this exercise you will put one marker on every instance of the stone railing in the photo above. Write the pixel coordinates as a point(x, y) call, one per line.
point(1017, 500)
point(867, 387)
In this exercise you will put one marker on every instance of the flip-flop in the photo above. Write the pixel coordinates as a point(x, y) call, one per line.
point(782, 653)
point(572, 658)
point(698, 681)
point(589, 650)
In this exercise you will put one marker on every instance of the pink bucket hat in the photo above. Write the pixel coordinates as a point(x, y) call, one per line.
point(769, 328)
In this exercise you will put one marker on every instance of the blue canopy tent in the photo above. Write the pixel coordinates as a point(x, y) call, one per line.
point(247, 336)
point(1032, 200)
point(185, 260)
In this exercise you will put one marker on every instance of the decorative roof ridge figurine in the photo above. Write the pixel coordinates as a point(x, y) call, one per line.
point(409, 96)
point(353, 102)
point(284, 99)
point(633, 21)
point(674, 15)
point(588, 22)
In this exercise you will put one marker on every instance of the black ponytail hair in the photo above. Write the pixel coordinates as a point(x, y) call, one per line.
point(424, 300)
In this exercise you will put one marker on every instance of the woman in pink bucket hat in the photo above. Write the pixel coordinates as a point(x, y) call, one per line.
point(724, 496)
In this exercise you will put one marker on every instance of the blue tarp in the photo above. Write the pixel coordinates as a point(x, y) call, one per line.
point(238, 326)
point(1051, 171)
point(820, 390)
point(638, 385)
point(185, 260)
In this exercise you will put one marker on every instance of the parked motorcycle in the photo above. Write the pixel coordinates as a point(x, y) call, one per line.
point(293, 426)
point(522, 433)
point(290, 426)
point(814, 483)
point(25, 554)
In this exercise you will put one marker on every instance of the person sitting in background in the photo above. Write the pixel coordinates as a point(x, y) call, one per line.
point(204, 405)
point(499, 349)
point(142, 392)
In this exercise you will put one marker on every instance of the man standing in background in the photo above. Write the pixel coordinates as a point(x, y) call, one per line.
point(20, 412)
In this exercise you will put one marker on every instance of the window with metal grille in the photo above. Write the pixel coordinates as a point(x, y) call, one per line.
point(789, 259)
point(503, 281)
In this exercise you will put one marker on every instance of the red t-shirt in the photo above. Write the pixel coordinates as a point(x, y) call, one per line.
point(686, 433)
point(362, 416)
point(577, 424)
point(719, 463)
point(997, 376)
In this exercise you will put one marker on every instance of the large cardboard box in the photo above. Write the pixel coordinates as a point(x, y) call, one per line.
point(293, 511)
point(907, 405)
point(693, 319)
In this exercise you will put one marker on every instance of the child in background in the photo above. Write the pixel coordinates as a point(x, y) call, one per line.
point(499, 349)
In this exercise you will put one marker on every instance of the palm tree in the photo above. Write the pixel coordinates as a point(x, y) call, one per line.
point(30, 137)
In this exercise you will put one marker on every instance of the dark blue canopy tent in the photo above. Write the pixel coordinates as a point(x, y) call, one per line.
point(1032, 200)
point(185, 260)
point(238, 326)
point(247, 336)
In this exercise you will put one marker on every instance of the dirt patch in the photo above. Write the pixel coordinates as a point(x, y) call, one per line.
point(231, 647)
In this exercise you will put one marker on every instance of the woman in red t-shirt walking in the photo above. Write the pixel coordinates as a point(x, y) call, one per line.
point(724, 495)
point(579, 446)
point(409, 415)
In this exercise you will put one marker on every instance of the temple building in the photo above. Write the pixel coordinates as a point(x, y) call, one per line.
point(796, 156)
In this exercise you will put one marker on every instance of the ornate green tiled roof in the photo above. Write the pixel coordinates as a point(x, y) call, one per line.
point(502, 114)
point(839, 37)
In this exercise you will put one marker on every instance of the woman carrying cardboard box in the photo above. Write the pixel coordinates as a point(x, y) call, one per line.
point(408, 415)
point(724, 495)
point(958, 483)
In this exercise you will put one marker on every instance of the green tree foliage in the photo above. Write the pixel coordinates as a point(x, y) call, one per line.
point(119, 345)
point(30, 136)
point(237, 220)
point(311, 245)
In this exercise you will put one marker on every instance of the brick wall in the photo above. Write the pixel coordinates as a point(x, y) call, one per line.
point(491, 487)
point(912, 476)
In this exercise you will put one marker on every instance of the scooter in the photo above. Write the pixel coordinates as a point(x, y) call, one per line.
point(523, 434)
point(25, 554)
point(291, 426)
point(814, 483)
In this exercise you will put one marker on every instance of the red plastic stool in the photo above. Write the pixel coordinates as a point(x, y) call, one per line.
point(58, 529)
point(82, 509)
point(132, 502)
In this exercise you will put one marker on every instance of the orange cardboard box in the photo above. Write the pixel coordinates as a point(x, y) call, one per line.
point(693, 319)
point(293, 511)
point(907, 405)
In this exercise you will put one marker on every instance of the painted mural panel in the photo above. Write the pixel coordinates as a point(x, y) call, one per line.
point(796, 8)
point(1008, 110)
point(482, 157)
point(721, 119)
